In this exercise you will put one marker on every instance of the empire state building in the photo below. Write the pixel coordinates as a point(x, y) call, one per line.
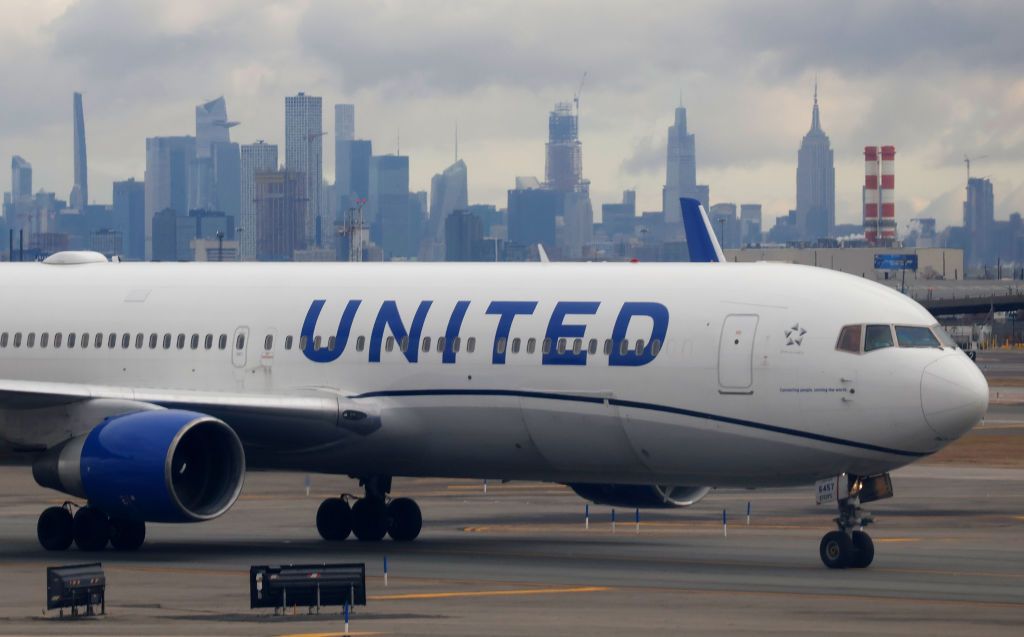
point(815, 182)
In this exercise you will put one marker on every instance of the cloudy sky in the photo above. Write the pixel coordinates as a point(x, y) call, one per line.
point(936, 79)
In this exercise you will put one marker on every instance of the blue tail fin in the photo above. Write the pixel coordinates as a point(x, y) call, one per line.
point(700, 239)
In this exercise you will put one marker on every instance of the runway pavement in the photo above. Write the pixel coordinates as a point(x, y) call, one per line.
point(517, 561)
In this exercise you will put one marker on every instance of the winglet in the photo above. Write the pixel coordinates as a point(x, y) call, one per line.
point(542, 254)
point(700, 238)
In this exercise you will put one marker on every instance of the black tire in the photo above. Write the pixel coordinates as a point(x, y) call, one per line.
point(405, 520)
point(92, 529)
point(863, 550)
point(369, 520)
point(56, 529)
point(836, 549)
point(334, 519)
point(127, 535)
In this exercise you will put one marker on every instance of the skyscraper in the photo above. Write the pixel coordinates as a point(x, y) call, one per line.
point(815, 182)
point(681, 170)
point(212, 126)
point(979, 221)
point(80, 191)
point(214, 182)
point(21, 179)
point(130, 217)
point(303, 148)
point(344, 122)
point(280, 214)
point(563, 166)
point(256, 158)
point(448, 193)
point(394, 226)
point(351, 161)
point(168, 160)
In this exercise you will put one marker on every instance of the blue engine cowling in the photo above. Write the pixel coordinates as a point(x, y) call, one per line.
point(164, 465)
point(644, 496)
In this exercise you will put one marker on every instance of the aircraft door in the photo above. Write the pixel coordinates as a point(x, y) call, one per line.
point(736, 354)
point(239, 344)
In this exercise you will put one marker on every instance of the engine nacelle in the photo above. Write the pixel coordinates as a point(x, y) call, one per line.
point(644, 496)
point(155, 466)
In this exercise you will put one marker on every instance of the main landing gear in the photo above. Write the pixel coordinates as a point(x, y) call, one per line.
point(371, 517)
point(88, 528)
point(850, 546)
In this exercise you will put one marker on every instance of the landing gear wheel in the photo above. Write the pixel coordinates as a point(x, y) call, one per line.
point(334, 519)
point(836, 549)
point(92, 529)
point(127, 535)
point(405, 520)
point(55, 529)
point(863, 550)
point(369, 520)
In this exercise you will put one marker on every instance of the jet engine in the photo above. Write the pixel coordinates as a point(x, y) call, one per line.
point(165, 465)
point(652, 496)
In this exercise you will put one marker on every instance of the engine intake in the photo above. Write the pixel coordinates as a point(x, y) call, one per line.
point(644, 496)
point(155, 466)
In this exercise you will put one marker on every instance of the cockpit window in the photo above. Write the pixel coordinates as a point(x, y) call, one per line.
point(908, 336)
point(944, 337)
point(849, 339)
point(877, 337)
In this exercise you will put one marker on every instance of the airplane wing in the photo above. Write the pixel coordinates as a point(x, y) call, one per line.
point(306, 418)
point(700, 238)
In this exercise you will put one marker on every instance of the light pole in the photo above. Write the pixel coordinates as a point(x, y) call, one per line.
point(220, 246)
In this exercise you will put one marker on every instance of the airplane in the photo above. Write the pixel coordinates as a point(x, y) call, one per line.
point(149, 389)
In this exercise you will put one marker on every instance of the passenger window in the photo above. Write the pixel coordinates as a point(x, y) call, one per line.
point(222, 342)
point(194, 341)
point(470, 344)
point(545, 347)
point(240, 342)
point(31, 340)
point(908, 336)
point(112, 341)
point(208, 342)
point(440, 344)
point(426, 344)
point(389, 344)
point(849, 339)
point(655, 347)
point(331, 342)
point(17, 339)
point(167, 341)
point(316, 343)
point(624, 347)
point(456, 343)
point(153, 339)
point(181, 341)
point(608, 347)
point(577, 346)
point(561, 346)
point(639, 346)
point(403, 344)
point(140, 340)
point(126, 340)
point(71, 340)
point(58, 338)
point(515, 345)
point(44, 339)
point(85, 340)
point(3, 339)
point(501, 345)
point(360, 343)
point(287, 342)
point(303, 342)
point(877, 337)
point(531, 346)
point(97, 341)
point(592, 349)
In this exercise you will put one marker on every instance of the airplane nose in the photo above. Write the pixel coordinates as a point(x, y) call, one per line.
point(954, 396)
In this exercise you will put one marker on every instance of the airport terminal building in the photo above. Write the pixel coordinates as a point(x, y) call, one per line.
point(878, 263)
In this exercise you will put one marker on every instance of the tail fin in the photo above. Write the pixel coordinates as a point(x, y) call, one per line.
point(700, 239)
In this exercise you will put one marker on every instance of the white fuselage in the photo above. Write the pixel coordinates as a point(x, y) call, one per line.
point(746, 387)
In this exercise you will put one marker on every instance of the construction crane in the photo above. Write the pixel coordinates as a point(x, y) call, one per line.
point(967, 162)
point(576, 95)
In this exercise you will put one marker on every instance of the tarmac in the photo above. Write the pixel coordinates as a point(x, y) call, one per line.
point(517, 560)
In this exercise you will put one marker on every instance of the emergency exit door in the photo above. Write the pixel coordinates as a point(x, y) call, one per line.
point(736, 354)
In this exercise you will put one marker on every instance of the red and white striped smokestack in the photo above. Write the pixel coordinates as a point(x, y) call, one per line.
point(871, 194)
point(887, 219)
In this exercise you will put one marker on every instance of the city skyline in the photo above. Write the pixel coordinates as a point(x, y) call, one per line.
point(749, 121)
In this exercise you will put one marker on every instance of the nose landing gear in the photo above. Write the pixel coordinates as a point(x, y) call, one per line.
point(850, 546)
point(371, 517)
